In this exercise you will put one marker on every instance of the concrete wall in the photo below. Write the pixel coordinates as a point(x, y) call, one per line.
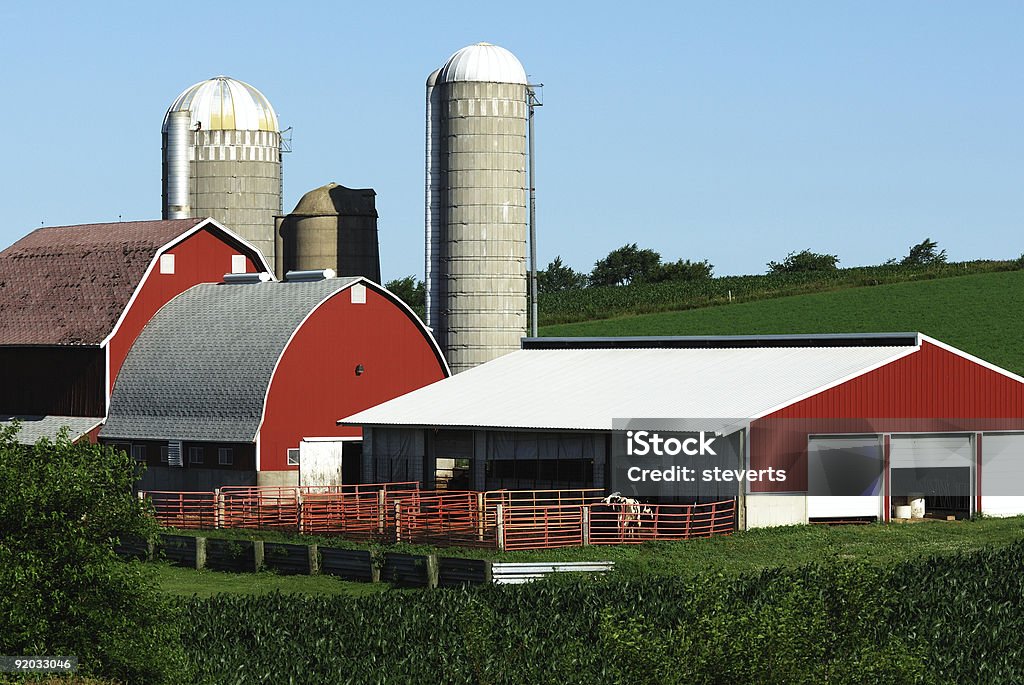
point(483, 249)
point(278, 478)
point(765, 511)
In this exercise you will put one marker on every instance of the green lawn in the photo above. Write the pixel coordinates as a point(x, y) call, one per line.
point(980, 314)
point(188, 582)
point(877, 544)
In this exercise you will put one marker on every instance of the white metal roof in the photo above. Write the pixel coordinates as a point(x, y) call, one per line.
point(585, 389)
point(482, 62)
point(226, 104)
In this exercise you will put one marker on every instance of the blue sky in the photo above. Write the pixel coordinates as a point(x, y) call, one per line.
point(731, 131)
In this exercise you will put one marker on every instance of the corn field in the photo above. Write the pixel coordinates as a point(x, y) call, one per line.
point(948, 619)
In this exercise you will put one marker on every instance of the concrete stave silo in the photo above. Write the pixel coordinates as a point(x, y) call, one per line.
point(476, 217)
point(233, 152)
point(331, 227)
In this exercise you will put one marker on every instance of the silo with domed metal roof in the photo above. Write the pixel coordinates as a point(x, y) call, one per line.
point(222, 158)
point(476, 214)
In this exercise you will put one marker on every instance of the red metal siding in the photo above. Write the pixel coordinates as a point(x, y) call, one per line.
point(203, 257)
point(315, 383)
point(931, 390)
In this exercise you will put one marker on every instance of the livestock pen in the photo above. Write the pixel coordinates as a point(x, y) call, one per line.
point(402, 512)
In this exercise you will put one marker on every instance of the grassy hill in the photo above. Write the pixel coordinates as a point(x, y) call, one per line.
point(982, 314)
point(570, 306)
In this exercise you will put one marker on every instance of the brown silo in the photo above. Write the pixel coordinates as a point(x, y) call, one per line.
point(331, 227)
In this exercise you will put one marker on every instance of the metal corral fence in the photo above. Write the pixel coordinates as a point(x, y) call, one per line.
point(401, 512)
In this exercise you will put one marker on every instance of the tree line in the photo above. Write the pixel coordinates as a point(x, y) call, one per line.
point(632, 264)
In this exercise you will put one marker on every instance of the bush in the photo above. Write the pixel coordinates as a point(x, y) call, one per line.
point(683, 270)
point(557, 277)
point(628, 264)
point(804, 261)
point(411, 291)
point(63, 508)
point(924, 253)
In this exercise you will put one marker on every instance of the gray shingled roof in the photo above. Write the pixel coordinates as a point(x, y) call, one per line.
point(35, 427)
point(201, 368)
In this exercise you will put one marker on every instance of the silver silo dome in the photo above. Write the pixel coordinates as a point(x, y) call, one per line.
point(476, 217)
point(222, 158)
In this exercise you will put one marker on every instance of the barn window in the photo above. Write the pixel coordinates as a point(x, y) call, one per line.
point(174, 453)
point(225, 456)
point(195, 455)
point(139, 452)
point(163, 454)
point(167, 264)
point(238, 264)
point(358, 294)
point(293, 457)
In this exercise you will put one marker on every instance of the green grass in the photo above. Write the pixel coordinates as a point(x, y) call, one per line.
point(569, 306)
point(877, 544)
point(979, 314)
point(188, 582)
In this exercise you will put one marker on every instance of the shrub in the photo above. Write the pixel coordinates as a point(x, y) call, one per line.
point(63, 508)
point(924, 253)
point(804, 261)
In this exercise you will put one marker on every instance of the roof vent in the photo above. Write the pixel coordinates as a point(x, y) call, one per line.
point(311, 275)
point(261, 277)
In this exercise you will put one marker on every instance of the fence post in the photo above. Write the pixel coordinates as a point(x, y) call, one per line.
point(314, 560)
point(200, 553)
point(298, 512)
point(586, 524)
point(433, 572)
point(381, 511)
point(481, 516)
point(398, 520)
point(218, 509)
point(257, 553)
point(499, 513)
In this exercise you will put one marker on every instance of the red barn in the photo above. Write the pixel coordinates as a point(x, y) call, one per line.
point(73, 299)
point(227, 380)
point(861, 424)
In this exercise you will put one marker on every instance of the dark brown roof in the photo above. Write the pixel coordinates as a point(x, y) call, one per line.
point(67, 285)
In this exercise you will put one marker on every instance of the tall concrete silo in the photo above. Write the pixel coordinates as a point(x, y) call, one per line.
point(476, 205)
point(222, 158)
point(331, 227)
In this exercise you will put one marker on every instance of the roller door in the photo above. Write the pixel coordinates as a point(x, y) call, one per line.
point(1002, 474)
point(844, 476)
point(938, 467)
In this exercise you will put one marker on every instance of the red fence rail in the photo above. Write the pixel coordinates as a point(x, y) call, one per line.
point(542, 527)
point(184, 509)
point(355, 515)
point(504, 519)
point(621, 524)
point(451, 518)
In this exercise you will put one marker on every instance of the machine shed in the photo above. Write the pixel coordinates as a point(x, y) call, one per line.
point(863, 424)
point(227, 380)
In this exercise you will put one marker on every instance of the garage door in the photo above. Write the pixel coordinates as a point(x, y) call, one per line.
point(1002, 474)
point(931, 465)
point(844, 476)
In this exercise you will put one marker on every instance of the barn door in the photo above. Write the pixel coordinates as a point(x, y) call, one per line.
point(1002, 474)
point(938, 467)
point(849, 468)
